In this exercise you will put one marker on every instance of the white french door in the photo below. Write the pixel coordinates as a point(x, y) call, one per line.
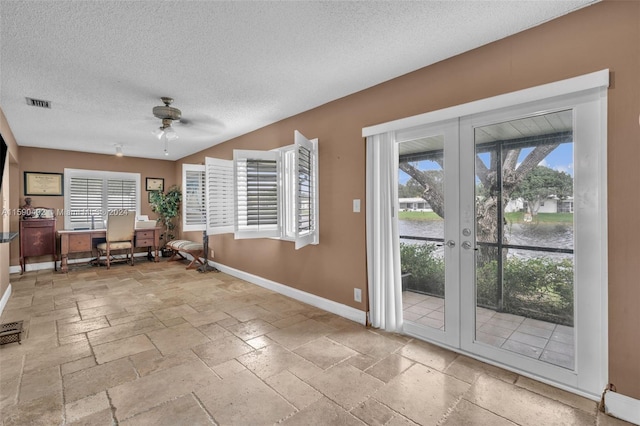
point(509, 262)
point(430, 297)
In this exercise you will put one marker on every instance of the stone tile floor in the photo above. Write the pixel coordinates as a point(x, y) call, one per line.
point(155, 344)
point(552, 343)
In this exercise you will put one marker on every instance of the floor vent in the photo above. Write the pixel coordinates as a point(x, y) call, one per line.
point(10, 332)
point(38, 103)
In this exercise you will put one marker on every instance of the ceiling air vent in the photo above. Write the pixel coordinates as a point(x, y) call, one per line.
point(38, 103)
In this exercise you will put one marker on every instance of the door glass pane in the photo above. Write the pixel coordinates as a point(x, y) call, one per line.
point(421, 229)
point(524, 237)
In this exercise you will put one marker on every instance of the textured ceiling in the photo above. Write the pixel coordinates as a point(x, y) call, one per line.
point(232, 67)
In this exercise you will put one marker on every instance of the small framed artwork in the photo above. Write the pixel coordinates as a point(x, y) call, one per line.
point(43, 183)
point(155, 184)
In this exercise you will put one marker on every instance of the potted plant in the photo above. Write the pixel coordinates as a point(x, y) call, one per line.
point(166, 205)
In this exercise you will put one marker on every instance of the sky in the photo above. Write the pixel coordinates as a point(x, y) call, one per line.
point(560, 159)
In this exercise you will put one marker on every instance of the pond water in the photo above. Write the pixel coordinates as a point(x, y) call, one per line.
point(526, 234)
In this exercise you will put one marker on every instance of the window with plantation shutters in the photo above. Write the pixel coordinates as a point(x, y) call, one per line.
point(257, 193)
point(306, 191)
point(91, 194)
point(288, 163)
point(85, 202)
point(121, 194)
point(262, 194)
point(194, 213)
point(220, 199)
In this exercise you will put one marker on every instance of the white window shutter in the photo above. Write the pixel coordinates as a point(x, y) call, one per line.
point(257, 181)
point(306, 191)
point(194, 213)
point(84, 196)
point(121, 194)
point(289, 187)
point(219, 196)
point(91, 194)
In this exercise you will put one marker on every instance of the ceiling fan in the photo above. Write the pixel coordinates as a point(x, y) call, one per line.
point(168, 115)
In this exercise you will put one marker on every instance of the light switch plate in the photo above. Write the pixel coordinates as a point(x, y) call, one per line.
point(356, 206)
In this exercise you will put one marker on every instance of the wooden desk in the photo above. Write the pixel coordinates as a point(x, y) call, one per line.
point(79, 241)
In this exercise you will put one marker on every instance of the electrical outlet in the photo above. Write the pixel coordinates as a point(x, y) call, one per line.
point(357, 295)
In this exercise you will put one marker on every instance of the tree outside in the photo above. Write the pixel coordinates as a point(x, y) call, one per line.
point(412, 189)
point(505, 170)
point(540, 184)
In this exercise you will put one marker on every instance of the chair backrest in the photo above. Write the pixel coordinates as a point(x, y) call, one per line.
point(121, 226)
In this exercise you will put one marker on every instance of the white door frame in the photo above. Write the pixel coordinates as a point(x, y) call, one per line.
point(589, 94)
point(590, 242)
point(450, 130)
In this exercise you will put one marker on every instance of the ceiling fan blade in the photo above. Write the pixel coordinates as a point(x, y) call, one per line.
point(201, 122)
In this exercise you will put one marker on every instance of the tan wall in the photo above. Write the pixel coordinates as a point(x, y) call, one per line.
point(8, 193)
point(51, 160)
point(606, 35)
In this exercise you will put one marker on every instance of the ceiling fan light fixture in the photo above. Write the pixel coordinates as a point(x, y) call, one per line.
point(170, 134)
point(168, 115)
point(158, 133)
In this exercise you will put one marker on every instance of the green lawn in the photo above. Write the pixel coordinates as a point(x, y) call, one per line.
point(518, 217)
point(411, 215)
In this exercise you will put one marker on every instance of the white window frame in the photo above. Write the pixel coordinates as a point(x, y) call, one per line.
point(287, 155)
point(243, 229)
point(224, 189)
point(194, 209)
point(105, 176)
point(220, 196)
point(310, 201)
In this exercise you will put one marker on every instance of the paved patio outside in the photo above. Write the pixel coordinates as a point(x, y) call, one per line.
point(548, 342)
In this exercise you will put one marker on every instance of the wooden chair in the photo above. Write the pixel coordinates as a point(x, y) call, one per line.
point(120, 234)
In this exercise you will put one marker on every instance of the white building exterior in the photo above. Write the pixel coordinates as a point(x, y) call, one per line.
point(414, 204)
point(548, 205)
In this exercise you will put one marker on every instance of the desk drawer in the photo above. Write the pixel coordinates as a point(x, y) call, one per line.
point(144, 234)
point(144, 242)
point(80, 243)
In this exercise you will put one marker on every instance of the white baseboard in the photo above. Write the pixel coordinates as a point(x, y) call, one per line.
point(5, 298)
point(622, 407)
point(15, 269)
point(345, 311)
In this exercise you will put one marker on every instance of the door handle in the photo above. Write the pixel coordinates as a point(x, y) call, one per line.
point(449, 243)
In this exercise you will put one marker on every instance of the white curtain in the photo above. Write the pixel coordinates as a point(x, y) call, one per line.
point(383, 252)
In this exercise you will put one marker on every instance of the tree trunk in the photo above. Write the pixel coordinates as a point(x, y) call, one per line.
point(487, 205)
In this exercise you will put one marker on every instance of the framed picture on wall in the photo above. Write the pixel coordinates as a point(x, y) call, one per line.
point(43, 183)
point(155, 184)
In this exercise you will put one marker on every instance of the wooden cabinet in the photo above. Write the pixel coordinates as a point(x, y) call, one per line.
point(146, 238)
point(37, 238)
